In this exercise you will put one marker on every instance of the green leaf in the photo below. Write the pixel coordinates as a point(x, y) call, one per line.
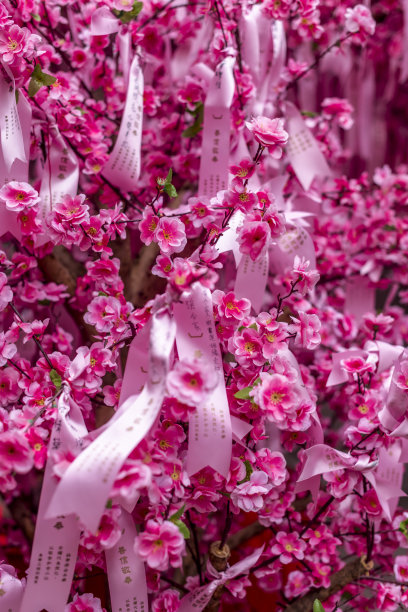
point(249, 469)
point(317, 606)
point(35, 17)
point(169, 177)
point(184, 530)
point(389, 228)
point(39, 79)
point(170, 190)
point(55, 379)
point(243, 393)
point(109, 504)
point(308, 114)
point(177, 515)
point(403, 527)
point(194, 129)
point(128, 16)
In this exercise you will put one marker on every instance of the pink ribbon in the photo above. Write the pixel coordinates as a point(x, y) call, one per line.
point(12, 142)
point(295, 241)
point(199, 598)
point(360, 297)
point(393, 416)
point(123, 167)
point(216, 131)
point(18, 170)
point(103, 22)
point(303, 151)
point(56, 540)
point(126, 571)
point(92, 474)
point(321, 459)
point(252, 277)
point(210, 435)
point(338, 375)
point(61, 175)
point(386, 478)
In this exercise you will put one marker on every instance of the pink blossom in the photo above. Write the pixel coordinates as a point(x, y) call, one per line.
point(369, 503)
point(12, 42)
point(160, 545)
point(340, 482)
point(71, 210)
point(191, 381)
point(359, 19)
point(377, 324)
point(148, 225)
point(170, 235)
point(105, 312)
point(240, 196)
point(229, 306)
point(305, 279)
point(84, 603)
point(356, 365)
point(248, 496)
point(244, 170)
point(340, 109)
point(288, 546)
point(166, 601)
point(276, 396)
point(6, 293)
point(252, 238)
point(308, 328)
point(401, 568)
point(388, 596)
point(18, 196)
point(269, 133)
point(7, 349)
point(35, 328)
point(15, 452)
point(274, 464)
point(297, 584)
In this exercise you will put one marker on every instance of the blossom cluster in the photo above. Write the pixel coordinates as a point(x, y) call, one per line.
point(214, 180)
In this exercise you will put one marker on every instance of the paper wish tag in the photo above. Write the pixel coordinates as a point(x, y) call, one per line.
point(56, 540)
point(215, 148)
point(252, 277)
point(295, 241)
point(92, 474)
point(387, 478)
point(11, 589)
point(210, 434)
point(302, 149)
point(123, 167)
point(103, 22)
point(12, 141)
point(126, 571)
point(18, 170)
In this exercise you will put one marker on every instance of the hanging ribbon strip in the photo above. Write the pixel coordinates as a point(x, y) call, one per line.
point(252, 277)
point(216, 131)
point(302, 149)
point(92, 474)
point(199, 598)
point(14, 130)
point(103, 22)
point(126, 571)
point(210, 435)
point(56, 540)
point(123, 167)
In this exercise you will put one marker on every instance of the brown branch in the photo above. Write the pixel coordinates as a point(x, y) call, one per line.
point(219, 560)
point(350, 572)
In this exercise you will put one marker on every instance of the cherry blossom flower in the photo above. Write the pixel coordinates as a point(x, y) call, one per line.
point(18, 196)
point(401, 568)
point(356, 365)
point(13, 42)
point(359, 20)
point(249, 495)
point(229, 306)
point(377, 324)
point(160, 545)
point(6, 294)
point(170, 235)
point(84, 603)
point(269, 133)
point(191, 381)
point(15, 452)
point(252, 238)
point(166, 601)
point(288, 546)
